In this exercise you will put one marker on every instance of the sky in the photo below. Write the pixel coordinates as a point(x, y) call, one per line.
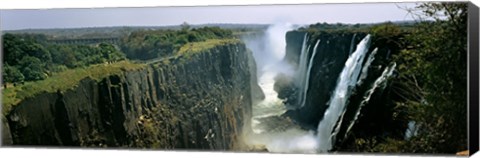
point(162, 16)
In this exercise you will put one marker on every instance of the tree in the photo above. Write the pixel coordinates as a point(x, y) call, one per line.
point(146, 45)
point(185, 26)
point(12, 74)
point(11, 49)
point(433, 73)
point(110, 53)
point(32, 68)
point(38, 51)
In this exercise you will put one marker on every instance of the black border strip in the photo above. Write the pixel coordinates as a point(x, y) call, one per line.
point(473, 110)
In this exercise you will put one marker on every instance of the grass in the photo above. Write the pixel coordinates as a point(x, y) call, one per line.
point(70, 78)
point(62, 81)
point(196, 47)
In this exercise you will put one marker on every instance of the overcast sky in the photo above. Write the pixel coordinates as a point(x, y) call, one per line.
point(159, 16)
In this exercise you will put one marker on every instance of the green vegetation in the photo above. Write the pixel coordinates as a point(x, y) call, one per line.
point(63, 81)
point(195, 47)
point(363, 28)
point(435, 68)
point(430, 87)
point(31, 58)
point(431, 84)
point(144, 45)
point(35, 66)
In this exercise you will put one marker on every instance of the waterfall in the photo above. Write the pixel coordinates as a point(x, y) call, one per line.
point(278, 135)
point(363, 76)
point(370, 59)
point(380, 82)
point(268, 52)
point(412, 130)
point(301, 69)
point(345, 83)
point(267, 113)
point(351, 44)
point(307, 78)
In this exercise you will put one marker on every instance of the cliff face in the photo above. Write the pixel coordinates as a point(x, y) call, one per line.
point(332, 53)
point(202, 102)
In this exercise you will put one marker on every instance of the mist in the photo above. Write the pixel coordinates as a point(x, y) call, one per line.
point(289, 141)
point(269, 50)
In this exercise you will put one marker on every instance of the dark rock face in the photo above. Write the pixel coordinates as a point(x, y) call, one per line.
point(6, 136)
point(202, 103)
point(332, 53)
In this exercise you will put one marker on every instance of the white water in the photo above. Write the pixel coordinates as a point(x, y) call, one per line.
point(369, 61)
point(268, 51)
point(294, 139)
point(412, 130)
point(290, 139)
point(347, 80)
point(380, 82)
point(301, 70)
point(308, 72)
point(270, 106)
point(351, 44)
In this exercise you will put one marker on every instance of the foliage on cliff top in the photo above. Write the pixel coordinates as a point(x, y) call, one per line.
point(196, 47)
point(430, 84)
point(355, 28)
point(62, 81)
point(30, 57)
point(151, 44)
point(434, 71)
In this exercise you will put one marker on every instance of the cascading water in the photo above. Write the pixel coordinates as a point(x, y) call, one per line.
point(380, 82)
point(301, 70)
point(276, 133)
point(269, 129)
point(370, 59)
point(363, 76)
point(351, 44)
point(268, 52)
point(412, 130)
point(347, 80)
point(306, 80)
point(270, 106)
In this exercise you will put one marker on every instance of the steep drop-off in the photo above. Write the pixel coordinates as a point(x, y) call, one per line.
point(332, 51)
point(201, 101)
point(331, 55)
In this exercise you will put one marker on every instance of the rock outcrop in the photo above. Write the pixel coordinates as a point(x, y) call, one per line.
point(202, 102)
point(332, 53)
point(329, 61)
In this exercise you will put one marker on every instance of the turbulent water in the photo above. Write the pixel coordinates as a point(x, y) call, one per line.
point(380, 83)
point(268, 51)
point(279, 134)
point(270, 106)
point(364, 74)
point(347, 80)
point(270, 130)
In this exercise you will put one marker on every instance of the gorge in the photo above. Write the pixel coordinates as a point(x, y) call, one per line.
point(306, 78)
point(199, 103)
point(281, 90)
point(312, 108)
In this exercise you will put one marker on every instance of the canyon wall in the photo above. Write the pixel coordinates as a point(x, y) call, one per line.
point(332, 52)
point(202, 101)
